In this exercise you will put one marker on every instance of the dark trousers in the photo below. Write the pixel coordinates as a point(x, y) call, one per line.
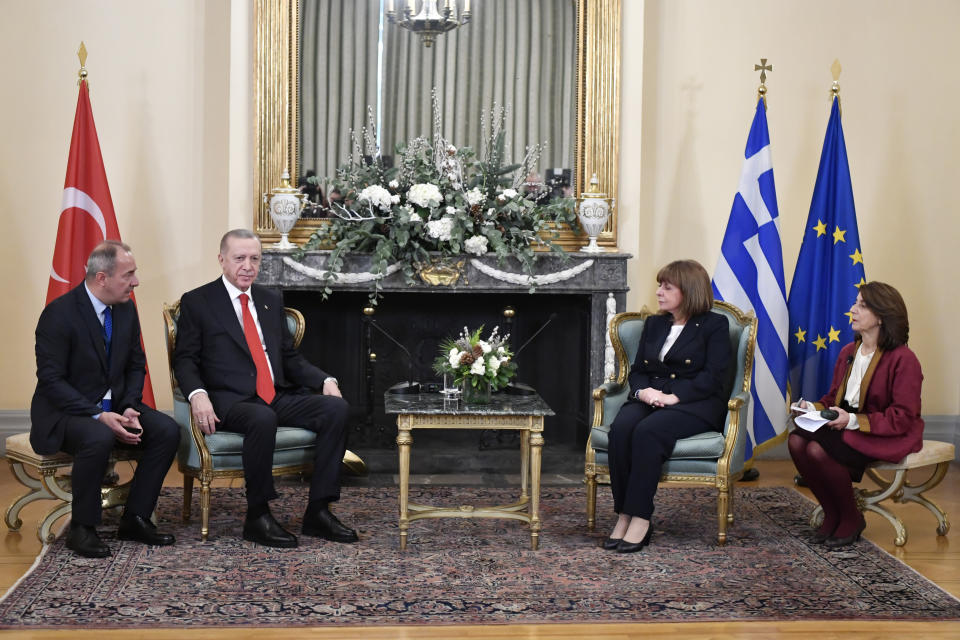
point(257, 421)
point(641, 439)
point(90, 443)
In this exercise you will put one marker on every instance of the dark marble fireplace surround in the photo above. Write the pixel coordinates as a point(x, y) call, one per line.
point(564, 362)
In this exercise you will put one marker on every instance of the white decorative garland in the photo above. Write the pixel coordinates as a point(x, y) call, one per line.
point(527, 280)
point(347, 278)
point(503, 276)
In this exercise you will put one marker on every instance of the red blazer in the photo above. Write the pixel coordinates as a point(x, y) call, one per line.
point(889, 413)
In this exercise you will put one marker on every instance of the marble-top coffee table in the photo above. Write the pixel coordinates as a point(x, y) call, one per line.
point(512, 412)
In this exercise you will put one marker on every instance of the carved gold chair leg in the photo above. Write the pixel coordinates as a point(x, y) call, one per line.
point(591, 500)
point(730, 503)
point(909, 492)
point(723, 505)
point(36, 492)
point(57, 488)
point(204, 508)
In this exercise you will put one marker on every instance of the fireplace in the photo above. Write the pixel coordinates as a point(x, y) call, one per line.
point(563, 362)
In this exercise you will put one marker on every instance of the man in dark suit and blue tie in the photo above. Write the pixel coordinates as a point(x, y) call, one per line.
point(236, 363)
point(90, 372)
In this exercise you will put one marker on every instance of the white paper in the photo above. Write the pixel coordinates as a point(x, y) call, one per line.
point(809, 420)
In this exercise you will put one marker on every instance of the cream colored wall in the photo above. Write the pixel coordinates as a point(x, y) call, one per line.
point(167, 118)
point(686, 117)
point(171, 96)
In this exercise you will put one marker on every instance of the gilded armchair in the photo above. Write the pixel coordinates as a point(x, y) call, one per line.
point(713, 459)
point(208, 457)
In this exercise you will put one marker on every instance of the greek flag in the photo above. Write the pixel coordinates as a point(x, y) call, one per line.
point(750, 275)
point(829, 272)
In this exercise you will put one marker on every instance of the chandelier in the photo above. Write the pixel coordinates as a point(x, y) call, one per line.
point(431, 21)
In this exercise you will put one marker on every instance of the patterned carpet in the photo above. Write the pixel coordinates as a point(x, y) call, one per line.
point(477, 571)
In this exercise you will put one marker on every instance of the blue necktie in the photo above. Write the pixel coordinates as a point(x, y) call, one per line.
point(105, 404)
point(107, 332)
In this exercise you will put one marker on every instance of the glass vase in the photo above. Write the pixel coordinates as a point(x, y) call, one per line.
point(476, 394)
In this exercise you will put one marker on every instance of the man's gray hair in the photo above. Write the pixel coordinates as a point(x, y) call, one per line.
point(239, 234)
point(104, 258)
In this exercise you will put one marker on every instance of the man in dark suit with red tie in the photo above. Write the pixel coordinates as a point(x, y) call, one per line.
point(90, 372)
point(236, 363)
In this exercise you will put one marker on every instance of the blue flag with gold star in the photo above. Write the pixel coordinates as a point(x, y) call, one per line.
point(829, 272)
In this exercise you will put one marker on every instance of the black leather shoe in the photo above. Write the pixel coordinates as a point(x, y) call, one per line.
point(610, 544)
point(324, 524)
point(140, 529)
point(84, 541)
point(835, 543)
point(633, 547)
point(268, 532)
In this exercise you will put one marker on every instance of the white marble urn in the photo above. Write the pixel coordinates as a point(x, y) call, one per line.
point(594, 211)
point(286, 205)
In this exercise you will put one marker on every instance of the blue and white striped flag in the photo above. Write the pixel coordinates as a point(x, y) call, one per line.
point(750, 275)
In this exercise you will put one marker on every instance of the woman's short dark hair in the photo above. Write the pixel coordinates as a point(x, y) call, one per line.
point(694, 283)
point(887, 304)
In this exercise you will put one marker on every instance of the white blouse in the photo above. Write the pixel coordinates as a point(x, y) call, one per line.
point(858, 369)
point(675, 332)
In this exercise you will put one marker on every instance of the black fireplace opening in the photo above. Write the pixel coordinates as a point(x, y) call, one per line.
point(556, 362)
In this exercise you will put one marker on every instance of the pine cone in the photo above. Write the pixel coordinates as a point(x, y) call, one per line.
point(467, 358)
point(477, 352)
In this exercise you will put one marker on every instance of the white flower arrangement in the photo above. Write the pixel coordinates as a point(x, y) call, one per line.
point(477, 245)
point(474, 361)
point(376, 196)
point(427, 195)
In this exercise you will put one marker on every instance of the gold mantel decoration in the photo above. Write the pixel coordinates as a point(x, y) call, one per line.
point(276, 74)
point(442, 273)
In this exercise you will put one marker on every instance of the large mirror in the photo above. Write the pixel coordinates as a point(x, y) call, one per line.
point(325, 67)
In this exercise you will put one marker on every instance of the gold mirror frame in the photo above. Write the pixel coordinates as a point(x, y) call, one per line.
point(276, 74)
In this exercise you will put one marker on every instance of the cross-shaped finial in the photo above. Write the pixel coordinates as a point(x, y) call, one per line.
point(763, 67)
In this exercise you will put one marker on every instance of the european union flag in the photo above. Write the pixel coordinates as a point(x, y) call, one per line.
point(829, 272)
point(750, 275)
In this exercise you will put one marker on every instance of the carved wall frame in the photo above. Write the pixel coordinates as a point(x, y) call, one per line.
point(597, 130)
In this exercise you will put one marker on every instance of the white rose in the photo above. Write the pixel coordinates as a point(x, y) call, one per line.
point(425, 195)
point(452, 211)
point(454, 358)
point(485, 346)
point(477, 245)
point(376, 196)
point(478, 368)
point(440, 229)
point(474, 197)
point(493, 363)
point(395, 199)
point(415, 217)
point(501, 351)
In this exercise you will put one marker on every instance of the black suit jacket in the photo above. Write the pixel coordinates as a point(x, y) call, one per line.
point(696, 368)
point(212, 354)
point(72, 372)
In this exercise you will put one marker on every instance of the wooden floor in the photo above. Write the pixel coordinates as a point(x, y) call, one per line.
point(927, 553)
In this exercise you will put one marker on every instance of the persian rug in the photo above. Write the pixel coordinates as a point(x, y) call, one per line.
point(478, 571)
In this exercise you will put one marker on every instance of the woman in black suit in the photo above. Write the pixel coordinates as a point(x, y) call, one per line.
point(678, 388)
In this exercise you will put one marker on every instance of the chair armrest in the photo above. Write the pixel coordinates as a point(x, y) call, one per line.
point(734, 446)
point(607, 400)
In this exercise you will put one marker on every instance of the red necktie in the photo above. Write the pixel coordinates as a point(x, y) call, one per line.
point(264, 380)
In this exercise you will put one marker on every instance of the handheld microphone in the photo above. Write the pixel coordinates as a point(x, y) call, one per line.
point(849, 359)
point(403, 388)
point(518, 388)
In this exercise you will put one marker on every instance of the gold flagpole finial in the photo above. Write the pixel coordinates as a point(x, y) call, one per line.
point(835, 69)
point(763, 67)
point(82, 54)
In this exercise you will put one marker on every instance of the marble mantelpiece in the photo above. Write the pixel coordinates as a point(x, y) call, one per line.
point(602, 277)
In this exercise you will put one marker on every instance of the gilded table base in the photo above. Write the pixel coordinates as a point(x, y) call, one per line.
point(525, 509)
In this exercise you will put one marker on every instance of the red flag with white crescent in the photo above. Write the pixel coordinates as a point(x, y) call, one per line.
point(86, 212)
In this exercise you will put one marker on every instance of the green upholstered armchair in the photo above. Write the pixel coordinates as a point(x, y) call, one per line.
point(714, 459)
point(206, 457)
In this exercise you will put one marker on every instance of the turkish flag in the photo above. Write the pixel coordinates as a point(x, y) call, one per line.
point(86, 212)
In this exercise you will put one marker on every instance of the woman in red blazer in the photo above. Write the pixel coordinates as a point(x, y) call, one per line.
point(876, 392)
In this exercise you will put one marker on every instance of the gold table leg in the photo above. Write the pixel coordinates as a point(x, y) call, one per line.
point(404, 440)
point(536, 447)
